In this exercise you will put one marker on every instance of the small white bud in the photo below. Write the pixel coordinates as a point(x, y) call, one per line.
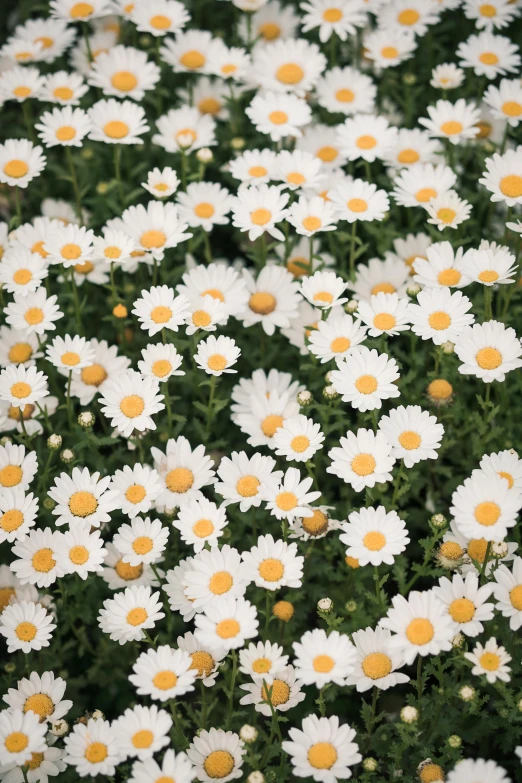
point(248, 733)
point(304, 398)
point(54, 441)
point(438, 520)
point(59, 728)
point(86, 419)
point(413, 289)
point(448, 347)
point(454, 741)
point(370, 764)
point(352, 306)
point(467, 693)
point(98, 715)
point(409, 714)
point(325, 605)
point(204, 155)
point(330, 393)
point(256, 777)
point(67, 456)
point(458, 640)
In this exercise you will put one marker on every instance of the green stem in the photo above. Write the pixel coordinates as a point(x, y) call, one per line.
point(419, 683)
point(18, 203)
point(321, 702)
point(485, 563)
point(203, 713)
point(68, 399)
point(396, 484)
point(178, 725)
point(117, 172)
point(488, 302)
point(74, 180)
point(85, 30)
point(210, 408)
point(231, 689)
point(268, 612)
point(208, 249)
point(168, 405)
point(352, 250)
point(76, 299)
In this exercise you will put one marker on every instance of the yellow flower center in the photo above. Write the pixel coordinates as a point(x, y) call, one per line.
point(344, 95)
point(19, 353)
point(227, 629)
point(81, 10)
point(96, 752)
point(214, 293)
point(219, 764)
point(20, 92)
point(440, 389)
point(451, 550)
point(327, 154)
point(70, 358)
point(143, 739)
point(179, 480)
point(511, 185)
point(408, 17)
point(11, 520)
point(488, 276)
point(22, 276)
point(82, 504)
point(489, 358)
point(477, 549)
point(420, 631)
point(374, 540)
point(408, 156)
point(512, 108)
point(446, 215)
point(78, 555)
point(323, 663)
point(363, 464)
point(315, 525)
point(16, 742)
point(116, 129)
point(357, 205)
point(366, 384)
point(217, 362)
point(300, 443)
point(451, 127)
point(269, 31)
point(515, 596)
point(20, 390)
point(193, 59)
point(279, 693)
point(35, 762)
point(125, 81)
point(271, 569)
point(43, 560)
point(262, 303)
point(340, 344)
point(462, 610)
point(19, 413)
point(366, 142)
point(409, 440)
point(153, 239)
point(486, 9)
point(488, 58)
point(270, 424)
point(209, 106)
point(132, 406)
point(11, 475)
point(257, 171)
point(71, 251)
point(449, 276)
point(164, 680)
point(127, 572)
point(286, 501)
point(203, 528)
point(63, 93)
point(323, 296)
point(322, 755)
point(204, 209)
point(489, 661)
point(137, 616)
point(290, 73)
point(161, 368)
point(93, 375)
point(161, 314)
point(248, 486)
point(203, 662)
point(220, 582)
point(385, 288)
point(112, 252)
point(40, 703)
point(16, 169)
point(332, 15)
point(142, 545)
point(65, 133)
point(389, 52)
point(277, 118)
point(26, 632)
point(487, 513)
point(425, 194)
point(312, 223)
point(260, 217)
point(431, 773)
point(376, 665)
point(384, 321)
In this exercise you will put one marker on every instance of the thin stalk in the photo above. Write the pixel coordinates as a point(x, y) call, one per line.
point(74, 180)
point(233, 675)
point(117, 172)
point(352, 250)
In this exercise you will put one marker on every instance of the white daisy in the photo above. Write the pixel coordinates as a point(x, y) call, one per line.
point(452, 121)
point(366, 136)
point(82, 497)
point(323, 750)
point(298, 439)
point(503, 177)
point(477, 771)
point(20, 737)
point(185, 129)
point(244, 479)
point(216, 755)
point(446, 76)
point(335, 337)
point(17, 514)
point(416, 185)
point(200, 522)
point(141, 541)
point(376, 661)
point(142, 731)
point(124, 72)
point(389, 47)
point(64, 88)
point(227, 623)
point(21, 385)
point(322, 658)
point(183, 470)
point(16, 348)
point(175, 766)
point(26, 626)
point(262, 661)
point(466, 603)
point(489, 55)
point(363, 459)
point(488, 351)
point(258, 209)
point(17, 469)
point(80, 551)
point(448, 210)
point(65, 127)
point(205, 204)
point(364, 378)
point(483, 506)
point(128, 614)
point(136, 488)
point(205, 660)
point(414, 434)
point(506, 464)
point(324, 289)
point(92, 748)
point(134, 411)
point(161, 183)
point(19, 83)
point(411, 147)
point(117, 122)
point(155, 228)
point(20, 162)
point(106, 366)
point(508, 592)
point(420, 625)
point(359, 200)
point(159, 17)
point(278, 115)
point(70, 354)
point(273, 298)
point(440, 315)
point(36, 563)
point(491, 15)
point(384, 314)
point(42, 695)
point(281, 694)
point(21, 271)
point(163, 674)
point(205, 314)
point(216, 355)
point(374, 536)
point(223, 283)
point(69, 245)
point(114, 247)
point(215, 574)
point(292, 497)
point(273, 564)
point(442, 267)
point(159, 308)
point(254, 166)
point(490, 659)
point(74, 11)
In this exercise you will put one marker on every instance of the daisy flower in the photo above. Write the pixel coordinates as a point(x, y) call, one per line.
point(374, 536)
point(142, 731)
point(264, 416)
point(159, 17)
point(17, 469)
point(298, 439)
point(114, 247)
point(346, 91)
point(175, 766)
point(70, 354)
point(52, 34)
point(274, 564)
point(216, 754)
point(477, 771)
point(206, 313)
point(136, 488)
point(26, 626)
point(359, 200)
point(161, 183)
point(490, 659)
point(163, 673)
point(82, 497)
point(16, 348)
point(440, 315)
point(420, 625)
point(446, 76)
point(184, 472)
point(411, 147)
point(299, 169)
point(316, 526)
point(389, 47)
point(228, 62)
point(366, 136)
point(364, 378)
point(483, 506)
point(22, 272)
point(214, 575)
point(243, 479)
point(491, 15)
point(69, 245)
point(74, 11)
point(17, 514)
point(389, 276)
point(141, 541)
point(36, 563)
point(506, 464)
point(283, 693)
point(92, 748)
point(490, 266)
point(42, 695)
point(489, 55)
point(117, 122)
point(448, 210)
point(324, 289)
point(412, 15)
point(159, 308)
point(175, 589)
point(130, 401)
point(505, 101)
point(205, 204)
point(254, 166)
point(184, 129)
point(466, 603)
point(322, 658)
point(21, 385)
point(363, 459)
point(414, 434)
point(155, 227)
point(124, 72)
point(80, 551)
point(488, 351)
point(106, 366)
point(221, 282)
point(503, 177)
point(209, 96)
point(384, 314)
point(216, 355)
point(205, 660)
point(128, 614)
point(18, 84)
point(293, 65)
point(20, 162)
point(376, 661)
point(273, 298)
point(416, 185)
point(292, 497)
point(160, 361)
point(227, 623)
point(278, 115)
point(321, 141)
point(258, 209)
point(65, 127)
point(20, 737)
point(323, 750)
point(508, 592)
point(262, 661)
point(265, 386)
point(200, 522)
point(442, 267)
point(63, 87)
point(189, 52)
point(341, 19)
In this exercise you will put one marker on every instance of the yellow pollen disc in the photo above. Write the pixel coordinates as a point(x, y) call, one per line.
point(217, 362)
point(137, 616)
point(82, 504)
point(96, 752)
point(84, 268)
point(488, 276)
point(125, 81)
point(6, 593)
point(70, 358)
point(420, 631)
point(22, 276)
point(65, 133)
point(322, 755)
point(21, 92)
point(376, 665)
point(489, 661)
point(332, 15)
point(187, 132)
point(26, 632)
point(408, 17)
point(161, 368)
point(357, 205)
point(18, 413)
point(260, 217)
point(374, 541)
point(366, 384)
point(209, 106)
point(512, 108)
point(34, 315)
point(203, 662)
point(451, 128)
point(279, 693)
point(16, 742)
point(389, 52)
point(132, 406)
point(485, 129)
point(161, 314)
point(257, 171)
point(409, 440)
point(93, 375)
point(127, 572)
point(142, 545)
point(262, 303)
point(449, 276)
point(193, 59)
point(81, 10)
point(23, 55)
point(315, 525)
point(323, 296)
point(261, 665)
point(203, 528)
point(270, 424)
point(462, 610)
point(161, 187)
point(278, 117)
point(227, 629)
point(327, 154)
point(45, 41)
point(248, 486)
point(219, 764)
point(511, 185)
point(344, 95)
point(340, 344)
point(323, 664)
point(451, 550)
point(153, 239)
point(179, 480)
point(78, 555)
point(214, 293)
point(509, 478)
point(384, 321)
point(290, 73)
point(269, 31)
point(366, 142)
point(489, 358)
point(363, 464)
point(408, 156)
point(112, 252)
point(296, 178)
point(446, 215)
point(488, 58)
point(271, 569)
point(385, 288)
point(35, 762)
point(440, 389)
point(11, 520)
point(63, 93)
point(431, 773)
point(487, 513)
point(220, 582)
point(286, 501)
point(16, 168)
point(300, 443)
point(20, 390)
point(19, 353)
point(283, 610)
point(143, 739)
point(425, 194)
point(515, 596)
point(41, 704)
point(11, 475)
point(204, 210)
point(311, 223)
point(164, 680)
point(43, 560)
point(116, 129)
point(486, 9)
point(71, 251)
point(477, 549)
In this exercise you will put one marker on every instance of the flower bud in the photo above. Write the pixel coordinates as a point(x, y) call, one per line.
point(86, 419)
point(59, 727)
point(54, 441)
point(325, 605)
point(467, 693)
point(409, 714)
point(329, 393)
point(304, 398)
point(204, 155)
point(248, 733)
point(67, 456)
point(454, 741)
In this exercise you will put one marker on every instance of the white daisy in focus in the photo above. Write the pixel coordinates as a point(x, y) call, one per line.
point(322, 658)
point(161, 183)
point(205, 204)
point(136, 489)
point(508, 592)
point(64, 88)
point(506, 464)
point(20, 162)
point(466, 603)
point(366, 136)
point(206, 313)
point(341, 18)
point(489, 55)
point(273, 298)
point(18, 468)
point(374, 536)
point(258, 209)
point(273, 564)
point(70, 354)
point(416, 185)
point(448, 210)
point(452, 121)
point(503, 177)
point(490, 266)
point(384, 314)
point(82, 497)
point(42, 695)
point(130, 401)
point(488, 351)
point(376, 661)
point(484, 506)
point(36, 564)
point(124, 72)
point(292, 498)
point(216, 754)
point(324, 289)
point(298, 439)
point(64, 127)
point(163, 673)
point(440, 315)
point(254, 166)
point(184, 472)
point(17, 514)
point(117, 122)
point(492, 15)
point(389, 47)
point(69, 245)
point(279, 115)
point(21, 736)
point(227, 623)
point(114, 247)
point(92, 747)
point(80, 551)
point(160, 361)
point(490, 659)
point(324, 749)
point(363, 459)
point(420, 625)
point(159, 308)
point(389, 276)
point(185, 129)
point(262, 661)
point(364, 378)
point(155, 228)
point(310, 215)
point(346, 91)
point(200, 522)
point(142, 731)
point(442, 267)
point(282, 694)
point(21, 271)
point(26, 626)
point(242, 479)
point(21, 385)
point(128, 614)
point(216, 355)
point(505, 101)
point(414, 434)
point(141, 541)
point(359, 200)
